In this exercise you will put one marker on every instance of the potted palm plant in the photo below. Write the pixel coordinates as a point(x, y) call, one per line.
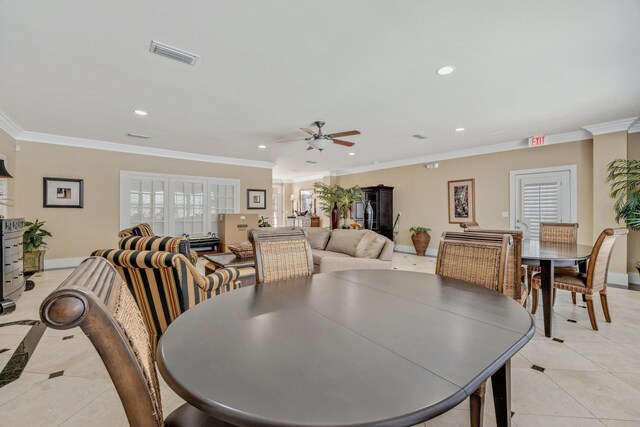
point(420, 237)
point(34, 245)
point(624, 178)
point(343, 198)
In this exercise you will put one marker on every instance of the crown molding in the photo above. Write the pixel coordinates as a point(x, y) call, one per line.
point(45, 138)
point(610, 127)
point(635, 127)
point(10, 126)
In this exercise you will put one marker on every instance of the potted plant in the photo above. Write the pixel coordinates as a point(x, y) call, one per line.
point(343, 198)
point(33, 246)
point(420, 237)
point(262, 222)
point(624, 178)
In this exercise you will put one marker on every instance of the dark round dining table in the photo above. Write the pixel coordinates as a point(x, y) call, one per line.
point(348, 348)
point(548, 256)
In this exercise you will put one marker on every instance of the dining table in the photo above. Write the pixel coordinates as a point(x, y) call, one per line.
point(346, 348)
point(549, 255)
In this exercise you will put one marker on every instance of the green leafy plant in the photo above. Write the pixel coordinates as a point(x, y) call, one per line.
point(34, 235)
point(419, 229)
point(343, 197)
point(624, 178)
point(262, 222)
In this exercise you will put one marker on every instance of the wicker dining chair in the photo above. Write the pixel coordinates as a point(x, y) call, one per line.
point(595, 280)
point(556, 232)
point(515, 283)
point(95, 298)
point(481, 259)
point(166, 284)
point(281, 253)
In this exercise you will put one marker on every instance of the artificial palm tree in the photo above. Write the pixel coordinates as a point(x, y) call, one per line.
point(343, 197)
point(624, 177)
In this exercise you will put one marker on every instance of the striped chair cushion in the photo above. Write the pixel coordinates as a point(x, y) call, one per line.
point(166, 284)
point(143, 230)
point(157, 243)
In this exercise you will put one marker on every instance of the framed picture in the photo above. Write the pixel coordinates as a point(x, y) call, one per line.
point(306, 201)
point(62, 192)
point(256, 199)
point(462, 201)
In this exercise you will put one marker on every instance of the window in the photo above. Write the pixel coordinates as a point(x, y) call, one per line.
point(174, 205)
point(543, 195)
point(276, 203)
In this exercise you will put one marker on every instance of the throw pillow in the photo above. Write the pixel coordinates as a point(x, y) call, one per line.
point(317, 237)
point(370, 245)
point(345, 241)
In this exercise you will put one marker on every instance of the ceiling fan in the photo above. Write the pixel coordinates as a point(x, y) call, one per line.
point(320, 141)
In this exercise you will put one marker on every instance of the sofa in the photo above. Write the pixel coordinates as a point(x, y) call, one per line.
point(341, 249)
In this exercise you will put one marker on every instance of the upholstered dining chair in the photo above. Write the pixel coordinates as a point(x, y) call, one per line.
point(556, 232)
point(481, 259)
point(165, 284)
point(594, 281)
point(95, 298)
point(515, 283)
point(145, 230)
point(176, 245)
point(281, 253)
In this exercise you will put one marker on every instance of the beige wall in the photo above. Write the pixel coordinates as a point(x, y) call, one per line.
point(633, 240)
point(420, 194)
point(606, 148)
point(76, 232)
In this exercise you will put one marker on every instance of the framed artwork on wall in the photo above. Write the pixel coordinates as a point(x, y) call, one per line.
point(462, 201)
point(62, 192)
point(256, 199)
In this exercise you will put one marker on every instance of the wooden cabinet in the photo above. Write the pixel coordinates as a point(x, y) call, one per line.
point(381, 199)
point(12, 286)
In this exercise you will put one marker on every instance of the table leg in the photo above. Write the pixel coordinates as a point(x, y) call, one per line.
point(582, 267)
point(546, 285)
point(501, 385)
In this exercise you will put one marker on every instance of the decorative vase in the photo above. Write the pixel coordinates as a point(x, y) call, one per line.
point(345, 222)
point(421, 242)
point(368, 218)
point(334, 216)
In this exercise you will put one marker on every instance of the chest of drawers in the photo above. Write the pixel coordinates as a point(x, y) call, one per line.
point(11, 256)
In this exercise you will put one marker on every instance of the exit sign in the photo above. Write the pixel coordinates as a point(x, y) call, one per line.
point(536, 141)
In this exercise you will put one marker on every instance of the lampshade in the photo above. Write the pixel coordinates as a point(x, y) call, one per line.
point(4, 173)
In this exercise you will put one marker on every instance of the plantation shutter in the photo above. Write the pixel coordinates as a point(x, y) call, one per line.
point(541, 203)
point(147, 203)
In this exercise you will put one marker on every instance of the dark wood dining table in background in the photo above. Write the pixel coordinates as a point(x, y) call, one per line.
point(548, 256)
point(357, 348)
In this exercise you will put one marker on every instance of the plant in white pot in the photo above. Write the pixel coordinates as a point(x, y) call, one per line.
point(624, 178)
point(34, 246)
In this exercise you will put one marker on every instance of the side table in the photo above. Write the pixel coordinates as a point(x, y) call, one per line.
point(245, 265)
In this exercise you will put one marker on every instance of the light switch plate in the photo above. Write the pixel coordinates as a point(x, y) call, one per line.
point(505, 214)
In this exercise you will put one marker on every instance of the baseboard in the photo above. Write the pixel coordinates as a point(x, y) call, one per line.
point(58, 263)
point(634, 278)
point(406, 249)
point(618, 279)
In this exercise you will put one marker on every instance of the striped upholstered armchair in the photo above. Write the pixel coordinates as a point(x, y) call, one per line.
point(142, 230)
point(177, 245)
point(166, 284)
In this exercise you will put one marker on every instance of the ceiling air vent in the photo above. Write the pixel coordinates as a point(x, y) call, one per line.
point(173, 53)
point(419, 136)
point(138, 135)
point(312, 162)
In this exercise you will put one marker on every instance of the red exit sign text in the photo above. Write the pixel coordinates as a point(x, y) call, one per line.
point(536, 141)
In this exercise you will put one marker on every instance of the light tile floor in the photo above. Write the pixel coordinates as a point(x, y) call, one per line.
point(590, 379)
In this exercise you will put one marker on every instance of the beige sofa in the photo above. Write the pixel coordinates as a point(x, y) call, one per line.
point(348, 249)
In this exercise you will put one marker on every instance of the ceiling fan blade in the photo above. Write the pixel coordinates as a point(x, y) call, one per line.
point(309, 148)
point(347, 133)
point(345, 143)
point(290, 140)
point(309, 131)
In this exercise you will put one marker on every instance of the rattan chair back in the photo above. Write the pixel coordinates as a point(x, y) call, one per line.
point(281, 253)
point(95, 298)
point(559, 232)
point(514, 276)
point(601, 255)
point(478, 258)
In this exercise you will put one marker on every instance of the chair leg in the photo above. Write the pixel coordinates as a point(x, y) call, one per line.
point(584, 298)
point(534, 301)
point(592, 313)
point(554, 297)
point(573, 297)
point(605, 306)
point(476, 406)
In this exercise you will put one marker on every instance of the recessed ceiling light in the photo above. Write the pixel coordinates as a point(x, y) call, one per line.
point(262, 147)
point(140, 112)
point(447, 69)
point(352, 154)
point(459, 129)
point(375, 163)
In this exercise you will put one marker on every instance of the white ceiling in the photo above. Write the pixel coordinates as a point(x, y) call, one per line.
point(80, 67)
